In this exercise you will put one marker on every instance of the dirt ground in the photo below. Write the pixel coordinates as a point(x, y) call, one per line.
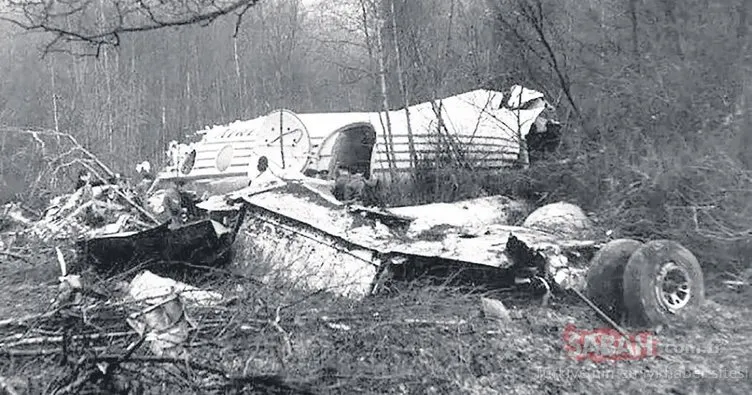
point(420, 340)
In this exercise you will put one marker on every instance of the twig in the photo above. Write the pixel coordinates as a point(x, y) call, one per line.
point(75, 386)
point(35, 135)
point(128, 353)
point(259, 381)
point(164, 360)
point(287, 351)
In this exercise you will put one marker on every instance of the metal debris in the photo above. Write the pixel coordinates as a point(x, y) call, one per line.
point(148, 286)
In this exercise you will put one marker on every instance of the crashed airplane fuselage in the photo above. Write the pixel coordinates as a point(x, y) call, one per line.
point(480, 129)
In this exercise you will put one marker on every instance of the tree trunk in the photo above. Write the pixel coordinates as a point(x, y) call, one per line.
point(109, 106)
point(388, 140)
point(635, 37)
point(55, 117)
point(236, 59)
point(743, 105)
point(403, 89)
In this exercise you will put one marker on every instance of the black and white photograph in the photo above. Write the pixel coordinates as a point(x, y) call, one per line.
point(375, 197)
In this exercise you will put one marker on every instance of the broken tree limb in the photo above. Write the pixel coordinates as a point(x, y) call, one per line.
point(287, 344)
point(40, 352)
point(61, 262)
point(59, 339)
point(22, 320)
point(600, 312)
point(35, 135)
point(271, 383)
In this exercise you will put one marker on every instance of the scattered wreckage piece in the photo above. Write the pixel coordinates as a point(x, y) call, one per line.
point(203, 239)
point(149, 286)
point(112, 233)
point(202, 242)
point(88, 212)
point(348, 250)
point(562, 219)
point(354, 251)
point(474, 213)
point(161, 317)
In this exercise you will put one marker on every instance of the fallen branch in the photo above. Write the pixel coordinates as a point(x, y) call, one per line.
point(287, 350)
point(35, 134)
point(40, 352)
point(59, 339)
point(22, 320)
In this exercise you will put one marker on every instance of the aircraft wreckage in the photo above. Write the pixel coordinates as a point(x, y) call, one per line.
point(268, 186)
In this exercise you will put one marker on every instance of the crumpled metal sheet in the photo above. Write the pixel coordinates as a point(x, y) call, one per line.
point(165, 326)
point(303, 256)
point(161, 317)
point(476, 238)
point(89, 212)
point(218, 203)
point(564, 262)
point(200, 242)
point(149, 286)
point(471, 214)
point(480, 236)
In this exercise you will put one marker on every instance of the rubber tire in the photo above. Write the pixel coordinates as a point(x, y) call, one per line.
point(605, 275)
point(640, 276)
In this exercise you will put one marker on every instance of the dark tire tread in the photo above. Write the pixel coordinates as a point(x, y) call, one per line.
point(605, 275)
point(640, 276)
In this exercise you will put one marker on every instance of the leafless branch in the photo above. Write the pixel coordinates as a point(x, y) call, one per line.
point(536, 17)
point(70, 22)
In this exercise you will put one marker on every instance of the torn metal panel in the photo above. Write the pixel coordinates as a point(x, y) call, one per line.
point(562, 262)
point(218, 203)
point(304, 256)
point(198, 242)
point(348, 246)
point(149, 287)
point(471, 214)
point(466, 239)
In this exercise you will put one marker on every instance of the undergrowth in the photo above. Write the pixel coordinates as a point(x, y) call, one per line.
point(417, 339)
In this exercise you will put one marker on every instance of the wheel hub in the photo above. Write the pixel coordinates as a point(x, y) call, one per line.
point(672, 287)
